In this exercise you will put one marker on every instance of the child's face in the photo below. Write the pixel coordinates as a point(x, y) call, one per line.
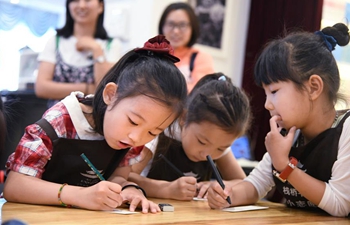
point(285, 100)
point(200, 140)
point(134, 121)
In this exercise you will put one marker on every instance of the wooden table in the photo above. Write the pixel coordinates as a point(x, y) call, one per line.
point(193, 212)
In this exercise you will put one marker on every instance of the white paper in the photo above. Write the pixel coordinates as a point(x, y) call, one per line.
point(244, 208)
point(119, 211)
point(199, 199)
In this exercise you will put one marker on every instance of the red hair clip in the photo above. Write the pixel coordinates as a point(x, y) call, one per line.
point(161, 46)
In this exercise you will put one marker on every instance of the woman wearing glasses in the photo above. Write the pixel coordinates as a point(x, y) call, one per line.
point(180, 26)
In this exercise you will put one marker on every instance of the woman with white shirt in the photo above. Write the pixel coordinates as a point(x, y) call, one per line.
point(79, 55)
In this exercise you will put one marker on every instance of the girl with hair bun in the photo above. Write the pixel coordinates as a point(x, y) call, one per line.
point(137, 99)
point(309, 168)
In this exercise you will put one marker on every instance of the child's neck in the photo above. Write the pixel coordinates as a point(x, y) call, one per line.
point(87, 111)
point(319, 123)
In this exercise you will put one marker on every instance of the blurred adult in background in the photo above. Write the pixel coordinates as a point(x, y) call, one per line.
point(78, 57)
point(180, 26)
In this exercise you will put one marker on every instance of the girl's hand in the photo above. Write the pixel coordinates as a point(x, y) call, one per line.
point(86, 43)
point(136, 198)
point(104, 195)
point(217, 196)
point(202, 189)
point(183, 188)
point(279, 146)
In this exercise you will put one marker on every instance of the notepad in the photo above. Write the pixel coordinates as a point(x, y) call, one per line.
point(199, 199)
point(244, 208)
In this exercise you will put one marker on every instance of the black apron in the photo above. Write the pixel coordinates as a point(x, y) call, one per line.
point(160, 170)
point(316, 158)
point(67, 166)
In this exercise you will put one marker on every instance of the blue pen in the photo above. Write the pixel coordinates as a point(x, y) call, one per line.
point(99, 175)
point(217, 175)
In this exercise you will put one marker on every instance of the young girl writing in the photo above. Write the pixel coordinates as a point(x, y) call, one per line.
point(136, 100)
point(301, 80)
point(216, 113)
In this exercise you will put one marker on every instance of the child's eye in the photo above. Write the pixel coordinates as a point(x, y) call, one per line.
point(200, 142)
point(221, 150)
point(132, 122)
point(273, 92)
point(154, 135)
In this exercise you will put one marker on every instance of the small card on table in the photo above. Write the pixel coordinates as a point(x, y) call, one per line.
point(244, 208)
point(120, 211)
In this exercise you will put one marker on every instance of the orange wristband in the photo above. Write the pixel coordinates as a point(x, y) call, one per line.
point(2, 176)
point(287, 171)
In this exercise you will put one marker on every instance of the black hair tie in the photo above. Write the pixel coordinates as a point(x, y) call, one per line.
point(135, 186)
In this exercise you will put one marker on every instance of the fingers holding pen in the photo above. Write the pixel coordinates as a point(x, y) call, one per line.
point(202, 189)
point(104, 195)
point(217, 197)
point(184, 188)
point(113, 194)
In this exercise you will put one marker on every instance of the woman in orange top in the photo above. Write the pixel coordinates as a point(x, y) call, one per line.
point(180, 26)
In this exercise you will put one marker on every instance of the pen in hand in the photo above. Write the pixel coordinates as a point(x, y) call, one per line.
point(217, 175)
point(176, 170)
point(99, 175)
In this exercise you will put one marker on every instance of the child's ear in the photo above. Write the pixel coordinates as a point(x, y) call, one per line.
point(182, 118)
point(110, 93)
point(315, 86)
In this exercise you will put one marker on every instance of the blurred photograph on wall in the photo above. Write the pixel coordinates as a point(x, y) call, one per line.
point(211, 14)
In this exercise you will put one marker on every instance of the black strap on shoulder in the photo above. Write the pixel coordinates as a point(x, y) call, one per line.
point(47, 127)
point(193, 57)
point(118, 156)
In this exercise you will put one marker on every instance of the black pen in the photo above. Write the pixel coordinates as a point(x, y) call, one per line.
point(176, 170)
point(217, 175)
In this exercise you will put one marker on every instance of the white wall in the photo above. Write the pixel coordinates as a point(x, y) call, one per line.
point(135, 21)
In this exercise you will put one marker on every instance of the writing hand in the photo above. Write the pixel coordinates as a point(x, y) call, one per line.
point(104, 195)
point(184, 188)
point(217, 196)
